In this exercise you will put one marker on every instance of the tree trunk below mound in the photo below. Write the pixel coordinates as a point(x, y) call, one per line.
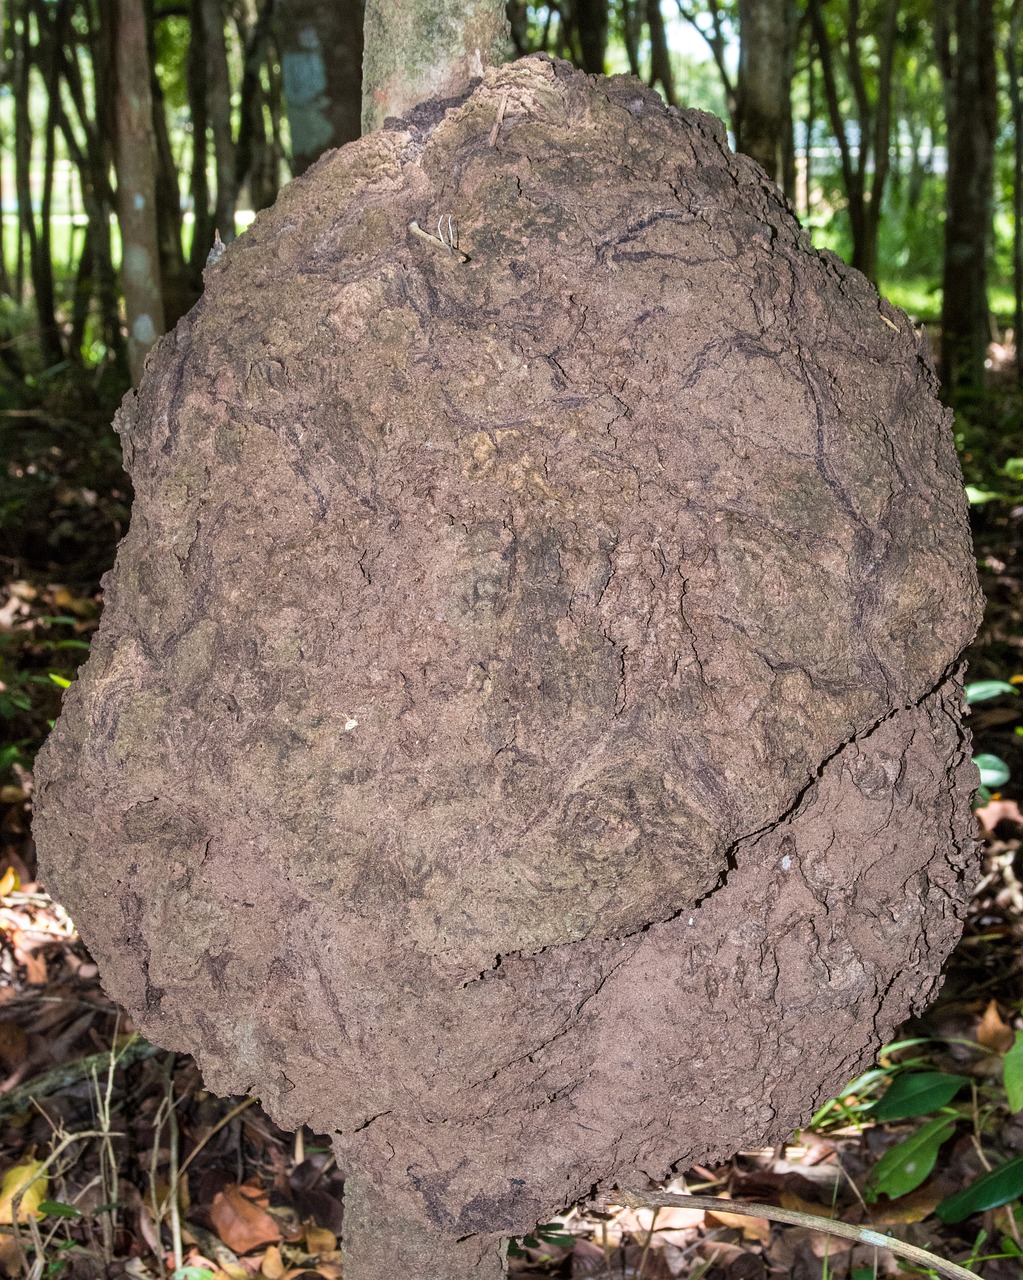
point(382, 1240)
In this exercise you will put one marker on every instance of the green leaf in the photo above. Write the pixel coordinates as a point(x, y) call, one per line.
point(981, 796)
point(58, 1209)
point(994, 772)
point(977, 497)
point(984, 690)
point(1013, 468)
point(988, 1192)
point(1012, 1074)
point(915, 1093)
point(61, 681)
point(903, 1167)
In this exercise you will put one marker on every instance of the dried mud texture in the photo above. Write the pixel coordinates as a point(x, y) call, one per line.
point(523, 737)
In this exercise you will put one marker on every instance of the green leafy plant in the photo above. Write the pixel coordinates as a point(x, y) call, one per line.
point(917, 1093)
point(909, 1163)
point(985, 690)
point(998, 1187)
point(550, 1235)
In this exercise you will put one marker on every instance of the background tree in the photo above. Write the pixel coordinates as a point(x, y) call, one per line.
point(321, 62)
point(763, 108)
point(136, 180)
point(863, 143)
point(965, 40)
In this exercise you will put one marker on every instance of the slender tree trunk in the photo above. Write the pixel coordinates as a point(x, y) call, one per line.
point(199, 187)
point(1012, 68)
point(135, 154)
point(254, 156)
point(94, 176)
point(179, 292)
point(811, 124)
point(39, 264)
point(591, 17)
point(218, 87)
point(631, 27)
point(873, 125)
point(972, 126)
point(660, 59)
point(321, 62)
point(52, 340)
point(419, 49)
point(763, 113)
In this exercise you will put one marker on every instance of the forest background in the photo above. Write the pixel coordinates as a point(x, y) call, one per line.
point(135, 134)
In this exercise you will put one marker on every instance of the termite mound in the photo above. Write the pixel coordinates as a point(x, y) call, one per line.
point(523, 736)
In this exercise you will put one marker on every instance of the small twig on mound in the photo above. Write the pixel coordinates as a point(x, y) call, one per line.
point(718, 1204)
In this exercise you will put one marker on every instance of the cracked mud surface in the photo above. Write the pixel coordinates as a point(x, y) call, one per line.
point(523, 733)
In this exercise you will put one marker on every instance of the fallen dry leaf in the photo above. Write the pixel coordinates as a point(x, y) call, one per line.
point(914, 1207)
point(272, 1265)
point(751, 1228)
point(22, 1179)
point(10, 1256)
point(996, 811)
point(26, 952)
point(13, 1044)
point(318, 1240)
point(240, 1223)
point(789, 1200)
point(993, 1032)
point(720, 1252)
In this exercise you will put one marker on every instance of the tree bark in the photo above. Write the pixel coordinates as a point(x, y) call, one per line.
point(873, 123)
point(591, 18)
point(971, 108)
point(1012, 70)
point(763, 113)
point(718, 40)
point(321, 63)
point(419, 49)
point(660, 59)
point(135, 155)
point(255, 156)
point(198, 182)
point(218, 88)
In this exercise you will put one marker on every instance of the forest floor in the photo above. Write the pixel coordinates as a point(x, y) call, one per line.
point(139, 1171)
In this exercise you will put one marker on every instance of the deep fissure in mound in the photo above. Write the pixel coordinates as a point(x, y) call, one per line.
point(523, 736)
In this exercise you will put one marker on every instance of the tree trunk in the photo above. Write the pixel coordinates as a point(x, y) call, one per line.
point(218, 88)
point(52, 341)
point(1012, 69)
point(591, 18)
point(972, 125)
point(763, 114)
point(321, 62)
point(255, 157)
point(660, 59)
point(198, 185)
point(37, 239)
point(135, 154)
point(419, 49)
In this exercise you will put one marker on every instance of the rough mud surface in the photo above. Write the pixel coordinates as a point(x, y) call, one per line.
point(523, 733)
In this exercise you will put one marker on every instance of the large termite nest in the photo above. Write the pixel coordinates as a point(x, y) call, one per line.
point(523, 737)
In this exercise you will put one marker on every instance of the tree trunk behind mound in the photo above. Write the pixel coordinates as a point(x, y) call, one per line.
point(420, 49)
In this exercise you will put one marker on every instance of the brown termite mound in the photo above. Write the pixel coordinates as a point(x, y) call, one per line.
point(523, 738)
